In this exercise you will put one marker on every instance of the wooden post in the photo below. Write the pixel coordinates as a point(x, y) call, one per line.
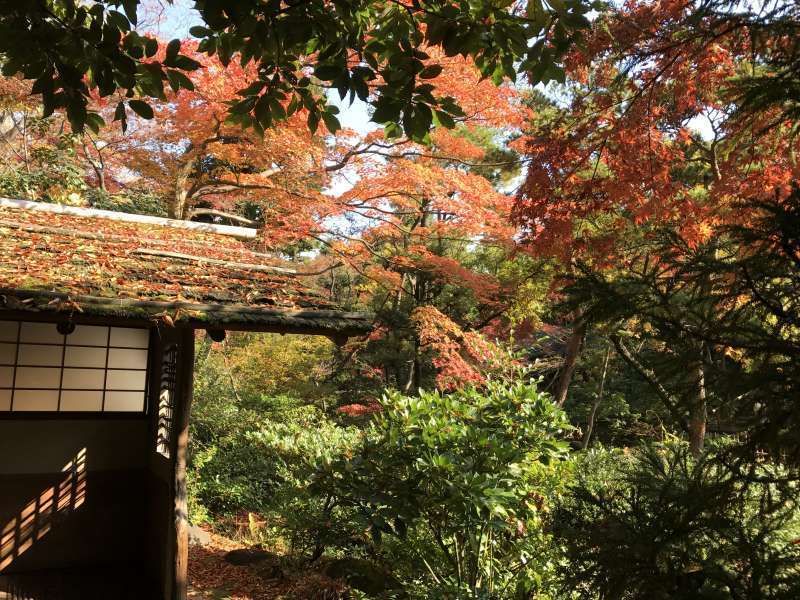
point(181, 511)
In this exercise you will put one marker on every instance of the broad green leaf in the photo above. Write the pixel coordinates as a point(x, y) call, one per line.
point(431, 71)
point(331, 122)
point(141, 108)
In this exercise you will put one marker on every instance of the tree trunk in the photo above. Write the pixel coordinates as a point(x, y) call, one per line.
point(415, 365)
point(587, 436)
point(177, 207)
point(570, 362)
point(698, 413)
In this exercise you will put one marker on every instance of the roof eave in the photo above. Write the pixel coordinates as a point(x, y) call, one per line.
point(235, 317)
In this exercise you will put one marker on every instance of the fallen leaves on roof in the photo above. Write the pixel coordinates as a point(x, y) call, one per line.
point(76, 261)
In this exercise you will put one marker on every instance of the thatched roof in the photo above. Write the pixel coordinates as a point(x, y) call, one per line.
point(113, 264)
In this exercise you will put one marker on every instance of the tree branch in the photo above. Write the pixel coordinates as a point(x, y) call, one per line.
point(650, 377)
point(223, 215)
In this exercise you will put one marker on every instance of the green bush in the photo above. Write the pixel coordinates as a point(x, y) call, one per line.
point(263, 467)
point(252, 451)
point(140, 202)
point(657, 524)
point(53, 172)
point(454, 489)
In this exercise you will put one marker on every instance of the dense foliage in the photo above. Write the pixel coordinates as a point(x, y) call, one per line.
point(474, 493)
point(462, 483)
point(259, 428)
point(582, 377)
point(660, 524)
point(450, 493)
point(365, 48)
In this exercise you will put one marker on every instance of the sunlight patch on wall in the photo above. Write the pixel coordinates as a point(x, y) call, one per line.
point(36, 518)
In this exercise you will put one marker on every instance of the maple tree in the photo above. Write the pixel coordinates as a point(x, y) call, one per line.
point(190, 163)
point(197, 159)
point(429, 232)
point(651, 138)
point(424, 224)
point(658, 142)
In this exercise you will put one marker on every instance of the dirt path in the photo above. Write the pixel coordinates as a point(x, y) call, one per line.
point(211, 577)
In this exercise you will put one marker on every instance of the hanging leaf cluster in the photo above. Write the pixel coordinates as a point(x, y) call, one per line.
point(370, 49)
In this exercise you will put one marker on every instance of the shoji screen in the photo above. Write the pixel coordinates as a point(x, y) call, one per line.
point(92, 369)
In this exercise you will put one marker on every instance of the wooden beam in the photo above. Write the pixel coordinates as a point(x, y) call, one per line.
point(256, 327)
point(244, 233)
point(77, 318)
point(216, 261)
point(220, 309)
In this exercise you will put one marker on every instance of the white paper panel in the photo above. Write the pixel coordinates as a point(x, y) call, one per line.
point(83, 379)
point(6, 377)
point(88, 367)
point(119, 358)
point(131, 338)
point(124, 401)
point(125, 380)
point(40, 356)
point(40, 333)
point(81, 401)
point(36, 400)
point(8, 354)
point(8, 331)
point(38, 378)
point(88, 335)
point(85, 357)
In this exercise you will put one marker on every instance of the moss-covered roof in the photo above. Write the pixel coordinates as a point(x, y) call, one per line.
point(103, 266)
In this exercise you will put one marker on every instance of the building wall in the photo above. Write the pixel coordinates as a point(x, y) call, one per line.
point(73, 492)
point(46, 445)
point(100, 480)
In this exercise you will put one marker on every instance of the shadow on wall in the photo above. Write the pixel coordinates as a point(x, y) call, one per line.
point(42, 513)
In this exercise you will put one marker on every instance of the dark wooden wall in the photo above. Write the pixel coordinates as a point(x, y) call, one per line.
point(89, 513)
point(123, 500)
